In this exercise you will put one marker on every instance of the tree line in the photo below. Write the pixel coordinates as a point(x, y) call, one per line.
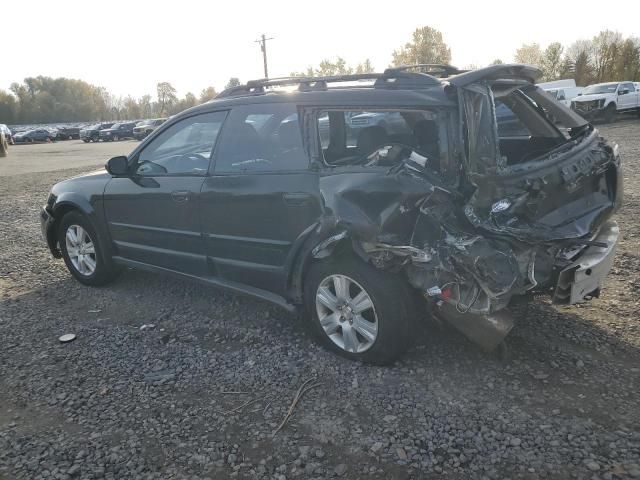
point(608, 56)
point(60, 100)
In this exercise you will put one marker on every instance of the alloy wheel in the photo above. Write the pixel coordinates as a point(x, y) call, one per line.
point(346, 313)
point(81, 250)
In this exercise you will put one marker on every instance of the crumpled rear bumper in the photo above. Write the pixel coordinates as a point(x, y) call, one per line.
point(585, 275)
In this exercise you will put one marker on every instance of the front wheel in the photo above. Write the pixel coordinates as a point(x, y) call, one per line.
point(82, 251)
point(610, 113)
point(358, 311)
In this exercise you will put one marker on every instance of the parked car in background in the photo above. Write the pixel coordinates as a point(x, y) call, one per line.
point(67, 133)
point(4, 144)
point(363, 239)
point(118, 131)
point(92, 133)
point(8, 136)
point(34, 135)
point(605, 100)
point(145, 127)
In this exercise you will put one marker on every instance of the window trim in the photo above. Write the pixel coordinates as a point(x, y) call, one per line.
point(299, 109)
point(133, 161)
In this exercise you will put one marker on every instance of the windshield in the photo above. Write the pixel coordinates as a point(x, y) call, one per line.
point(115, 125)
point(602, 88)
point(553, 93)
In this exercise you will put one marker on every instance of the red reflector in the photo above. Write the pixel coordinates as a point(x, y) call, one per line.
point(446, 294)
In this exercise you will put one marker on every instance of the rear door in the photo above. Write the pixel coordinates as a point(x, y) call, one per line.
point(261, 197)
point(153, 214)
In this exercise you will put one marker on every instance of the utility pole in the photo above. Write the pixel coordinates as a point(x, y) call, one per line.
point(263, 47)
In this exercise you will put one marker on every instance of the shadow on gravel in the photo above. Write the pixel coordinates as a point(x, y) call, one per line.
point(187, 311)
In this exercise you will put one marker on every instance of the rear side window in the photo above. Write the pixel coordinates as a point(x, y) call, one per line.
point(509, 125)
point(262, 138)
point(350, 137)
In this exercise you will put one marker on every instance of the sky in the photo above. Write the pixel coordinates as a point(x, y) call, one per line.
point(130, 46)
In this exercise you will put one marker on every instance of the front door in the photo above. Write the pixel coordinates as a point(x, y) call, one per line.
point(261, 197)
point(153, 214)
point(628, 99)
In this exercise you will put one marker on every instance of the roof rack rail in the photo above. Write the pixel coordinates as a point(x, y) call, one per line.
point(439, 70)
point(391, 78)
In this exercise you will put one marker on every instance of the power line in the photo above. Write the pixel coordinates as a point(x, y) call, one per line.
point(263, 46)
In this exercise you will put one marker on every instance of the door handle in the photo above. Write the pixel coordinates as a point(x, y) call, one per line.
point(180, 195)
point(296, 199)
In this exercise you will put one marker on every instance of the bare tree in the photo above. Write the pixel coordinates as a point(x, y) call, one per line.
point(606, 46)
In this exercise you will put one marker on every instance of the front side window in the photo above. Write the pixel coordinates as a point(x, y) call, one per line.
point(185, 148)
point(359, 137)
point(262, 138)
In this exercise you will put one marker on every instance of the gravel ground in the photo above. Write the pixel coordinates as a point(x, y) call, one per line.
point(200, 394)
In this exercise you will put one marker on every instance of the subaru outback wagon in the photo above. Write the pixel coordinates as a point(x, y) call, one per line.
point(473, 200)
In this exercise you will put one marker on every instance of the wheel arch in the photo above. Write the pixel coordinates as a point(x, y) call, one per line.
point(316, 246)
point(75, 203)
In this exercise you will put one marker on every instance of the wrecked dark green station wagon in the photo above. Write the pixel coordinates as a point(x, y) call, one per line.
point(366, 202)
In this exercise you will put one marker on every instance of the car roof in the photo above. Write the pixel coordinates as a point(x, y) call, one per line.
point(338, 97)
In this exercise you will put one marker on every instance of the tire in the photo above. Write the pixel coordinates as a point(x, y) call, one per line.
point(86, 140)
point(388, 319)
point(610, 113)
point(102, 272)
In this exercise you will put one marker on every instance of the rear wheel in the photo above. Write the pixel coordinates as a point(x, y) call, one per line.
point(610, 113)
point(82, 251)
point(358, 311)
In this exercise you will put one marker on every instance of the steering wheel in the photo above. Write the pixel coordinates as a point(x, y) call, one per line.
point(149, 168)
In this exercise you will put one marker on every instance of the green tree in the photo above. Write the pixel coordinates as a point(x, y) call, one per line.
point(551, 63)
point(627, 65)
point(529, 54)
point(578, 58)
point(365, 67)
point(188, 101)
point(166, 97)
point(426, 46)
point(8, 108)
point(233, 82)
point(207, 94)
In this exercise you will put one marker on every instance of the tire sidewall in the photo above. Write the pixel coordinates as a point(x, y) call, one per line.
point(389, 294)
point(101, 273)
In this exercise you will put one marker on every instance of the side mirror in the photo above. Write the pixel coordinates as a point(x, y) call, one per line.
point(117, 166)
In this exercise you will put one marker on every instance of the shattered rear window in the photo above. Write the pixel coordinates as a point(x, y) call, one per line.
point(376, 137)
